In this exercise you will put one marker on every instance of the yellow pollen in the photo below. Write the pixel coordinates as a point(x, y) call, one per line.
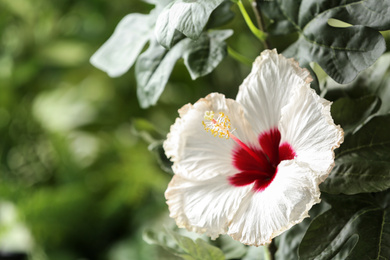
point(218, 127)
point(221, 127)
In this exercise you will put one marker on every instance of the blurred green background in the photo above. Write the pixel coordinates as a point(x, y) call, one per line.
point(78, 179)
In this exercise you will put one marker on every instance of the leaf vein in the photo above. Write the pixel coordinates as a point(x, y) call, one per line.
point(331, 9)
point(370, 145)
point(371, 10)
point(288, 18)
point(381, 235)
point(332, 47)
point(301, 30)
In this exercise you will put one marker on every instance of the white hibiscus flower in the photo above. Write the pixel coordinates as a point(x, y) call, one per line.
point(262, 176)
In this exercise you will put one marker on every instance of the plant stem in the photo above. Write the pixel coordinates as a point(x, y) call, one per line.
point(260, 20)
point(258, 33)
point(257, 14)
point(239, 57)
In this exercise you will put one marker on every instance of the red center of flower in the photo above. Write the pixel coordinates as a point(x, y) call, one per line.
point(260, 165)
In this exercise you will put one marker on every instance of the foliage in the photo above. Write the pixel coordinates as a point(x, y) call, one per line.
point(355, 227)
point(80, 153)
point(202, 50)
point(341, 51)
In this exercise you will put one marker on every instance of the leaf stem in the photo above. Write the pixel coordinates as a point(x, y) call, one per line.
point(260, 21)
point(239, 57)
point(258, 33)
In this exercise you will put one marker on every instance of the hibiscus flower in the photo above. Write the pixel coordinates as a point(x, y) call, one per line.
point(261, 176)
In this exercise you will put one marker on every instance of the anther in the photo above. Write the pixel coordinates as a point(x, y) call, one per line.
point(221, 127)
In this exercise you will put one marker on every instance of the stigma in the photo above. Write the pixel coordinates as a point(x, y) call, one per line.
point(221, 127)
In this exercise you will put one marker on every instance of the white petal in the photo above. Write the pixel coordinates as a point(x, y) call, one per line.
point(308, 127)
point(204, 206)
point(119, 52)
point(267, 89)
point(197, 154)
point(284, 203)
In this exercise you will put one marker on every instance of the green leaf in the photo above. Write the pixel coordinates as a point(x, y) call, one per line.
point(341, 52)
point(155, 65)
point(363, 161)
point(119, 52)
point(184, 246)
point(186, 16)
point(354, 228)
point(153, 69)
point(203, 55)
point(372, 82)
point(198, 250)
point(162, 159)
point(351, 113)
point(287, 243)
point(221, 15)
point(279, 25)
point(161, 238)
point(205, 251)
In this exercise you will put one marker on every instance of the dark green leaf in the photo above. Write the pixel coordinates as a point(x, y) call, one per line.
point(341, 52)
point(162, 159)
point(203, 55)
point(351, 113)
point(153, 69)
point(315, 83)
point(279, 24)
point(221, 15)
point(186, 16)
point(353, 229)
point(155, 65)
point(373, 81)
point(363, 161)
point(287, 243)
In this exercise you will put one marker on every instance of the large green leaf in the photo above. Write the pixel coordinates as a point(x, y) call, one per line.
point(186, 16)
point(363, 161)
point(341, 52)
point(355, 228)
point(203, 55)
point(351, 113)
point(153, 69)
point(287, 243)
point(118, 54)
point(155, 65)
point(372, 82)
point(221, 15)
